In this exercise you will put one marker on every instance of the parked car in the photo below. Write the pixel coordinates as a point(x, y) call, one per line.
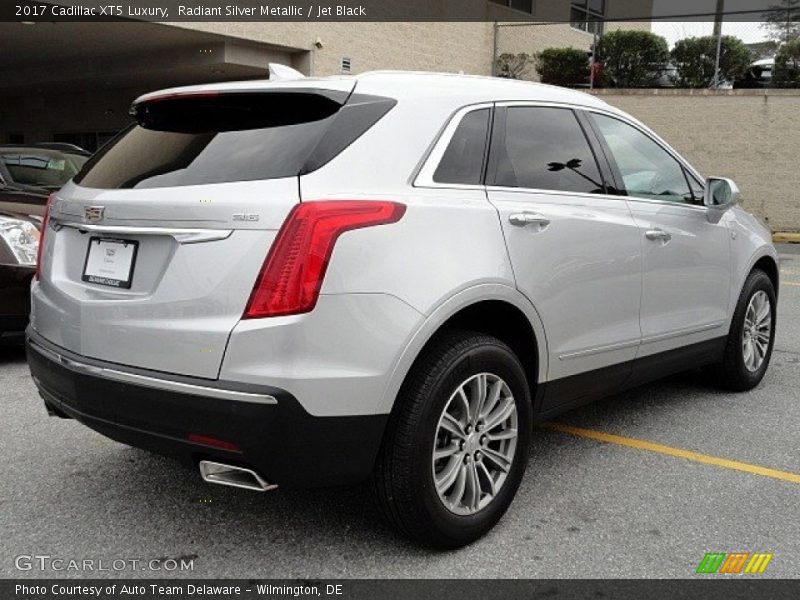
point(316, 281)
point(64, 147)
point(669, 74)
point(758, 75)
point(28, 174)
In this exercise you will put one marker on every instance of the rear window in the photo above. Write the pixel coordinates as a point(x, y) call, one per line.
point(221, 138)
point(44, 168)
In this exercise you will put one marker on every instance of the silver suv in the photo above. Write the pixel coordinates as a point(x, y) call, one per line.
point(310, 282)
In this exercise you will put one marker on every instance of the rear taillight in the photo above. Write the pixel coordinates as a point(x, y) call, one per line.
point(45, 221)
point(291, 278)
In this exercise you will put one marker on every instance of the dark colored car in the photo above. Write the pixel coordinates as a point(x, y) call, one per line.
point(28, 175)
point(64, 147)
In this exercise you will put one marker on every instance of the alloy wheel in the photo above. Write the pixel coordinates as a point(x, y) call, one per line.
point(476, 439)
point(757, 331)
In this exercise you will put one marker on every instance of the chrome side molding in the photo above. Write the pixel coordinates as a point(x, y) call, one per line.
point(642, 341)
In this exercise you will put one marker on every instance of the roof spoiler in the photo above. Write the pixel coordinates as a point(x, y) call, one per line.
point(279, 72)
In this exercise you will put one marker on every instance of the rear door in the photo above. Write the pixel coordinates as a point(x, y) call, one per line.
point(573, 245)
point(152, 252)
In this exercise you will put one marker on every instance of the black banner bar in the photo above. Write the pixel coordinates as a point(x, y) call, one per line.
point(705, 587)
point(555, 11)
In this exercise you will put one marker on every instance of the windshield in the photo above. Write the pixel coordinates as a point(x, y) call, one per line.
point(43, 168)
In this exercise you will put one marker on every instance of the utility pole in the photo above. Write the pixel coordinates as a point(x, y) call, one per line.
point(495, 31)
point(718, 15)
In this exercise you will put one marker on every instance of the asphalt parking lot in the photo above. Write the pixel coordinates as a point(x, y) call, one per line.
point(587, 508)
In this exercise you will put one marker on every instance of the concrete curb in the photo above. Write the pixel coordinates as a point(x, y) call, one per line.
point(786, 237)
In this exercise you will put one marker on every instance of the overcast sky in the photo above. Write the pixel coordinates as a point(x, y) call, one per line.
point(675, 30)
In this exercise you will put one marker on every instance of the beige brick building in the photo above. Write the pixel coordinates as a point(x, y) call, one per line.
point(748, 135)
point(74, 81)
point(469, 47)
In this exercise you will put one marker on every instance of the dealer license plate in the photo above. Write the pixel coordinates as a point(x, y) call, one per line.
point(110, 262)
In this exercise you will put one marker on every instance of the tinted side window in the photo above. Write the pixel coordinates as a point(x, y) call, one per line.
point(545, 148)
point(463, 160)
point(648, 170)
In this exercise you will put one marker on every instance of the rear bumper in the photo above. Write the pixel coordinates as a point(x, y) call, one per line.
point(270, 430)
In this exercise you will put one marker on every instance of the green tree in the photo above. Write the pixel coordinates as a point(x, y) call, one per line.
point(632, 58)
point(783, 20)
point(562, 66)
point(513, 66)
point(695, 59)
point(786, 72)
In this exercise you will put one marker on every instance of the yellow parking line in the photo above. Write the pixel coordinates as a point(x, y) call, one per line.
point(670, 451)
point(794, 283)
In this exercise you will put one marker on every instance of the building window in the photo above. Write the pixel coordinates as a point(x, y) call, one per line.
point(588, 15)
point(521, 5)
point(345, 64)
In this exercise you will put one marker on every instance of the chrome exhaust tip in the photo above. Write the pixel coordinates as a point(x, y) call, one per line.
point(239, 477)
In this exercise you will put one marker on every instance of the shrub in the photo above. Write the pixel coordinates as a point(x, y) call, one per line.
point(786, 72)
point(562, 66)
point(513, 66)
point(695, 59)
point(632, 58)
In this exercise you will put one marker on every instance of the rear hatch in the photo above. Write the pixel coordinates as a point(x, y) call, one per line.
point(152, 252)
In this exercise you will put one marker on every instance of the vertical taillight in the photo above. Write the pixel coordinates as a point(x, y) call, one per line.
point(292, 274)
point(42, 232)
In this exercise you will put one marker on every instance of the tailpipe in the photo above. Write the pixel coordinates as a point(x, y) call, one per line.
point(222, 474)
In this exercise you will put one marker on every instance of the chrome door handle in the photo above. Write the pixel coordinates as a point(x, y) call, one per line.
point(657, 234)
point(528, 218)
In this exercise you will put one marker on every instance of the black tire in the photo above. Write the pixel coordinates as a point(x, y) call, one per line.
point(403, 478)
point(732, 373)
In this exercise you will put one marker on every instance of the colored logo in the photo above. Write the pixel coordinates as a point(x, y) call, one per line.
point(734, 562)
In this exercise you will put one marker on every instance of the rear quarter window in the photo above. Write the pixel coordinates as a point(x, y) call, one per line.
point(462, 161)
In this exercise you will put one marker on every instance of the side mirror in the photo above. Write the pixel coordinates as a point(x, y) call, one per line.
point(721, 193)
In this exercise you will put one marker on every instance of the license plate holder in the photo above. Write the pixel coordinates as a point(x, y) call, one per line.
point(110, 262)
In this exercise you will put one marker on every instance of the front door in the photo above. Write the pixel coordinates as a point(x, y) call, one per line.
point(686, 274)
